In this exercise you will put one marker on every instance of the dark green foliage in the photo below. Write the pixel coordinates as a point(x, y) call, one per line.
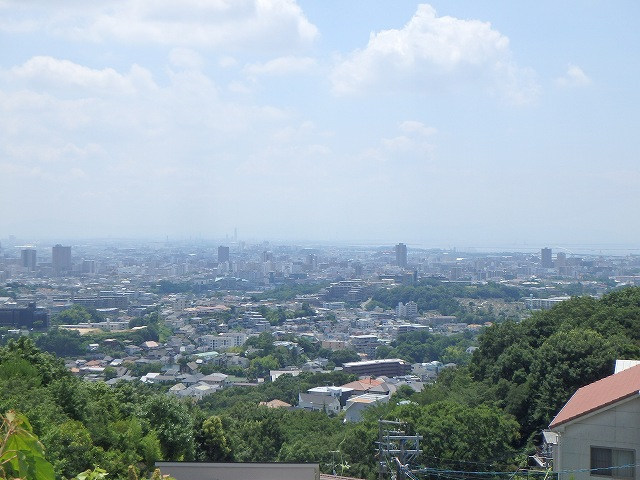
point(433, 294)
point(536, 365)
point(76, 314)
point(290, 291)
point(422, 346)
point(212, 441)
point(168, 286)
point(64, 343)
point(285, 388)
point(49, 367)
point(4, 292)
point(453, 431)
point(338, 357)
point(173, 424)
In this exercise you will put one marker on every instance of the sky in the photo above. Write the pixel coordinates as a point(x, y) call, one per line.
point(468, 123)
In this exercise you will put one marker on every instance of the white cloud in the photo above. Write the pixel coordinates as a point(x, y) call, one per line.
point(61, 121)
point(573, 77)
point(55, 73)
point(412, 126)
point(433, 53)
point(235, 24)
point(282, 66)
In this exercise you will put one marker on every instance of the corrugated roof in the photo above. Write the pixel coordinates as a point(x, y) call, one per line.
point(600, 394)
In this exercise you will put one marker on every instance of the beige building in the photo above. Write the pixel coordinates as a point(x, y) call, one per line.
point(598, 430)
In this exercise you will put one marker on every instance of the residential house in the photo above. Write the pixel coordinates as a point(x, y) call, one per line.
point(598, 429)
point(326, 399)
point(217, 379)
point(359, 403)
point(323, 403)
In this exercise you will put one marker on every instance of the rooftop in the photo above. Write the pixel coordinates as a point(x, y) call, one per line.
point(600, 394)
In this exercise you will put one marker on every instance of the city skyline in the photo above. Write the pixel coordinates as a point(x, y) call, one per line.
point(479, 124)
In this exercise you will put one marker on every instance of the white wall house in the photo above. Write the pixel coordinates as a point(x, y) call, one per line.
point(598, 430)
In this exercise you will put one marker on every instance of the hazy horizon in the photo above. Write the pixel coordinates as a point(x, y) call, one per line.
point(478, 123)
point(213, 242)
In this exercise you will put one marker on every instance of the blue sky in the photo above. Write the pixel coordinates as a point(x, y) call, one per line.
point(479, 123)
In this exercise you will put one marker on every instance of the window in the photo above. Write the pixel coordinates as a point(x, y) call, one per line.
point(613, 462)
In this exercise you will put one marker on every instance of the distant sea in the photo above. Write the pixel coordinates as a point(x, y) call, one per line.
point(593, 249)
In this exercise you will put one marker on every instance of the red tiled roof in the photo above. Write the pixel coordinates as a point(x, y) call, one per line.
point(599, 394)
point(363, 384)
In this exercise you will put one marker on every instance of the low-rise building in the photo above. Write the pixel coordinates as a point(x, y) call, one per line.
point(388, 367)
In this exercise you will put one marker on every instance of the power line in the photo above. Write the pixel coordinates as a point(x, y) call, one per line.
point(443, 472)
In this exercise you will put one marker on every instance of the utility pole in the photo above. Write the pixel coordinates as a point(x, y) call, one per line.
point(396, 449)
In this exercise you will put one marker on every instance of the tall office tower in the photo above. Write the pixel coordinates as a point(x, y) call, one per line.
point(28, 256)
point(60, 258)
point(223, 254)
point(545, 258)
point(401, 255)
point(561, 259)
point(88, 266)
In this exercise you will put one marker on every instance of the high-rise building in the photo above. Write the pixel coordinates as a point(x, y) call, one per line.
point(223, 254)
point(401, 255)
point(561, 259)
point(88, 266)
point(28, 256)
point(61, 258)
point(545, 258)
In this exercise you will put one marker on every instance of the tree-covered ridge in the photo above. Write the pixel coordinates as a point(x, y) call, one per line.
point(422, 346)
point(441, 296)
point(537, 364)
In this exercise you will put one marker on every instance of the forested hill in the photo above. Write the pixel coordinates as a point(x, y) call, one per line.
point(482, 416)
point(535, 366)
point(441, 296)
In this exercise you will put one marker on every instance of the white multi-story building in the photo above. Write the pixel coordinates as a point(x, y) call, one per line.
point(408, 310)
point(224, 341)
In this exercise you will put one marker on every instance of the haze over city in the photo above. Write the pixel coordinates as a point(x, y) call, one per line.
point(472, 123)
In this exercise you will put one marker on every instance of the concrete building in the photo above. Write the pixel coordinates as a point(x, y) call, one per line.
point(358, 404)
point(320, 402)
point(224, 341)
point(61, 259)
point(543, 303)
point(561, 259)
point(24, 317)
point(223, 254)
point(89, 266)
point(401, 255)
point(408, 310)
point(28, 257)
point(390, 367)
point(366, 344)
point(545, 258)
point(597, 432)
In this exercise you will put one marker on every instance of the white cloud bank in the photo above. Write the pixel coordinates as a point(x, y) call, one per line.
point(53, 72)
point(231, 24)
point(433, 53)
